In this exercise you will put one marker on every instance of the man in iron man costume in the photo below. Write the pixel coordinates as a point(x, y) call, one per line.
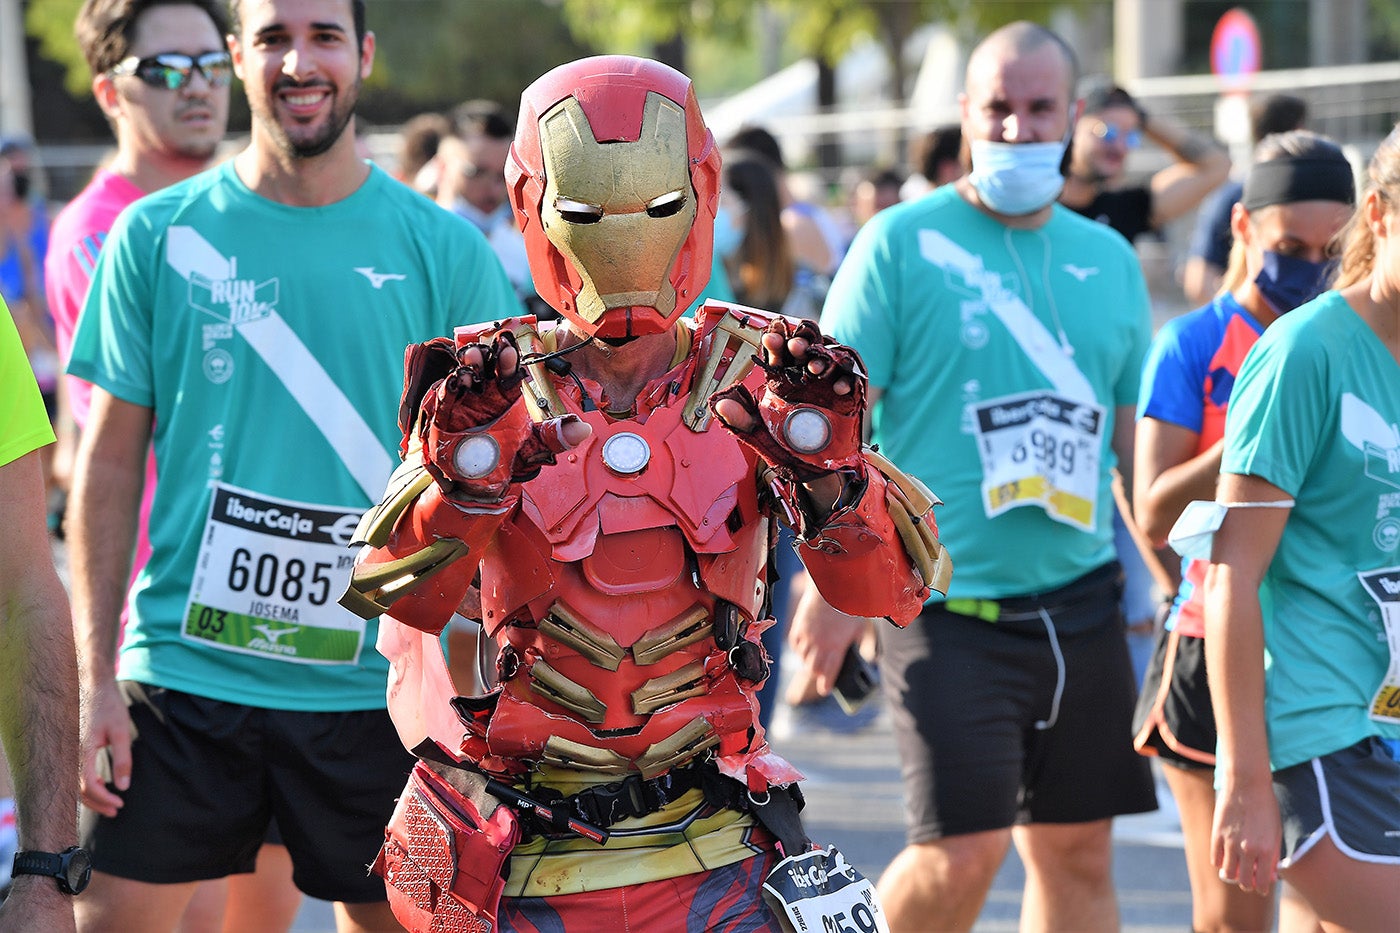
point(611, 482)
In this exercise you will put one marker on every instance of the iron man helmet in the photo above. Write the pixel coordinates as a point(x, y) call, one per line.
point(614, 179)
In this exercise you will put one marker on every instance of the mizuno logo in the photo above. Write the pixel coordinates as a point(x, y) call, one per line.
point(272, 634)
point(1079, 272)
point(377, 279)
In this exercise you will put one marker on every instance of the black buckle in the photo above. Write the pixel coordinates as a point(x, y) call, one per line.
point(748, 661)
point(633, 796)
point(726, 625)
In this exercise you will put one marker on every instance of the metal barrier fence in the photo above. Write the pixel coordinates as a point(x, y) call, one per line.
point(1355, 104)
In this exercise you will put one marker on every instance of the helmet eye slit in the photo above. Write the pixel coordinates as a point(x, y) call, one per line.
point(666, 205)
point(578, 212)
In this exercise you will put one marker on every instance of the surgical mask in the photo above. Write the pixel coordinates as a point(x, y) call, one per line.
point(1017, 178)
point(483, 221)
point(1287, 281)
point(728, 233)
point(1193, 535)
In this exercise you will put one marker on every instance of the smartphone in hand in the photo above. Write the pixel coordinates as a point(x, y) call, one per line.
point(856, 682)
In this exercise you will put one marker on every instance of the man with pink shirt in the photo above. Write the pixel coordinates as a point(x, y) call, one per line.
point(161, 74)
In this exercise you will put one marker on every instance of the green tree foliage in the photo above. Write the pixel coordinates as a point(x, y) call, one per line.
point(51, 24)
point(825, 29)
point(434, 54)
point(635, 25)
point(431, 54)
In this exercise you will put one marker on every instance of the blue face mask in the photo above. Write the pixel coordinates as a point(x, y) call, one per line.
point(728, 234)
point(1287, 281)
point(1017, 178)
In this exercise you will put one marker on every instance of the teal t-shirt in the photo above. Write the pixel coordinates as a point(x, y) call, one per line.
point(24, 424)
point(1001, 355)
point(1315, 412)
point(269, 340)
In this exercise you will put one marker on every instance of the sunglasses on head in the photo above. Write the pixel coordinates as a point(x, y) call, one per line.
point(173, 70)
point(1112, 134)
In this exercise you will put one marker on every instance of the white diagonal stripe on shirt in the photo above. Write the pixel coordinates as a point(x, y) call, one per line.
point(188, 253)
point(1025, 328)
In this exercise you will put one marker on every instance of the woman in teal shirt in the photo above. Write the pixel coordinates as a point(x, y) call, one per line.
point(1303, 600)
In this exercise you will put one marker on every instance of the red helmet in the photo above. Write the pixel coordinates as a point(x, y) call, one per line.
point(615, 179)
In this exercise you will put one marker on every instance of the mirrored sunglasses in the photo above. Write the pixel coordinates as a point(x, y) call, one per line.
point(172, 70)
point(1112, 134)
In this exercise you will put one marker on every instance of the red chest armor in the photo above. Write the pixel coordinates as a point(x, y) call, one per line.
point(604, 587)
point(624, 584)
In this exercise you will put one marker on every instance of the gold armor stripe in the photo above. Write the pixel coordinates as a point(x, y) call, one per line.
point(688, 742)
point(673, 636)
point(541, 401)
point(659, 692)
point(567, 754)
point(563, 626)
point(909, 501)
point(545, 865)
point(552, 685)
point(406, 484)
point(921, 499)
point(745, 340)
point(684, 338)
point(375, 587)
point(930, 558)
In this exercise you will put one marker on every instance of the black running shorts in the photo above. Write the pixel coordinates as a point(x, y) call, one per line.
point(1349, 796)
point(1175, 718)
point(1016, 721)
point(208, 777)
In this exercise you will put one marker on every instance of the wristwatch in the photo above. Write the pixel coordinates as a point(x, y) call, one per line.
point(71, 868)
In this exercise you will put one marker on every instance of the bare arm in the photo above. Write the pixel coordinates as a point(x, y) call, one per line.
point(1246, 833)
point(38, 695)
point(107, 481)
point(1201, 166)
point(1201, 279)
point(808, 245)
point(1170, 474)
point(1122, 442)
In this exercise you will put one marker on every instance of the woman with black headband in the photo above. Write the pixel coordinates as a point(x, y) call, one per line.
point(1303, 590)
point(1297, 196)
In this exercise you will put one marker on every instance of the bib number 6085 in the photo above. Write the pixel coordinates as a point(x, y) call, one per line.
point(269, 576)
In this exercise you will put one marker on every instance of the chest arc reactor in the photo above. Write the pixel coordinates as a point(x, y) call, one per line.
point(626, 453)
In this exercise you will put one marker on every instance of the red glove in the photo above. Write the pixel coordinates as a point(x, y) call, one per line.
point(478, 437)
point(806, 419)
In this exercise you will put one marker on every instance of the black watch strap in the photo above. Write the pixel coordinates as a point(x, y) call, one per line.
point(71, 868)
point(49, 864)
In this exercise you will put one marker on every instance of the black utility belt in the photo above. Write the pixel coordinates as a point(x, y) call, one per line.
point(1103, 584)
point(603, 805)
point(633, 796)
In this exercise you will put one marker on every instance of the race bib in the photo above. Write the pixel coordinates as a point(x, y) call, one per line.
point(1384, 587)
point(820, 892)
point(1041, 449)
point(268, 577)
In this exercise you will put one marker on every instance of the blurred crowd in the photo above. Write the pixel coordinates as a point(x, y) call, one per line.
point(788, 243)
